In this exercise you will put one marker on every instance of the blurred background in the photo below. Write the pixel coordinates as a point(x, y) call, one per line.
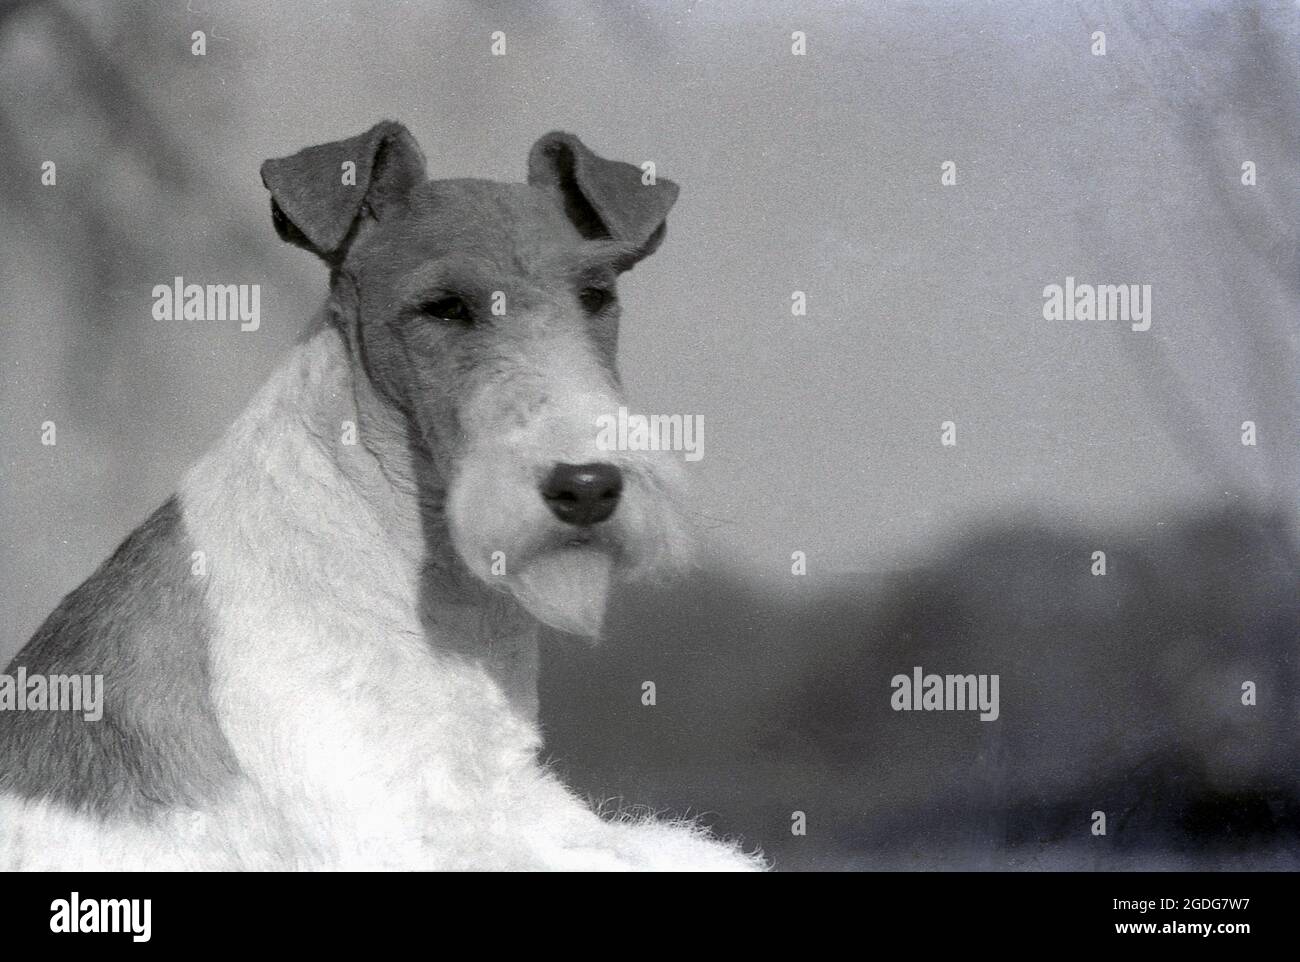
point(817, 173)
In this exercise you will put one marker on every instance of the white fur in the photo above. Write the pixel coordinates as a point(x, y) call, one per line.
point(545, 408)
point(367, 739)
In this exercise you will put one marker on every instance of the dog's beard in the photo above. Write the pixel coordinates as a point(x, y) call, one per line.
point(567, 588)
point(505, 532)
point(562, 575)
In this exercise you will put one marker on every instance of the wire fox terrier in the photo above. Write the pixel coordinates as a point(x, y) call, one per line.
point(322, 652)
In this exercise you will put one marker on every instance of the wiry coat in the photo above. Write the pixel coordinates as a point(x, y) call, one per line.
point(308, 662)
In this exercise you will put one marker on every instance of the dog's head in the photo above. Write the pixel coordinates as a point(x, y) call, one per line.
point(487, 315)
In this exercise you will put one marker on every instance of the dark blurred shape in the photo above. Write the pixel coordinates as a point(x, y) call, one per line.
point(1120, 693)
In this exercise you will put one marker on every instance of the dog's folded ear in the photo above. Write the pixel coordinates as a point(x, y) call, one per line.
point(603, 198)
point(319, 194)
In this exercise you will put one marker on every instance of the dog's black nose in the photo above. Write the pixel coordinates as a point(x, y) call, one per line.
point(583, 493)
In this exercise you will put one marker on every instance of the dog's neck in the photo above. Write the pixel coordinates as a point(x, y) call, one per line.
point(390, 470)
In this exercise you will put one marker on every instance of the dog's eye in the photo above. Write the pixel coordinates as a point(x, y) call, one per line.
point(595, 299)
point(448, 308)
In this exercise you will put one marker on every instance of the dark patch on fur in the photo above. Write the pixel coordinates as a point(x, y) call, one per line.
point(576, 205)
point(141, 622)
point(313, 208)
point(603, 198)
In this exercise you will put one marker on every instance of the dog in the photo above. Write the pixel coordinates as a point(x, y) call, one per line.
point(322, 652)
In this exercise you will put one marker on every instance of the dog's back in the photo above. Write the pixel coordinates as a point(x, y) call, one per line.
point(140, 621)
